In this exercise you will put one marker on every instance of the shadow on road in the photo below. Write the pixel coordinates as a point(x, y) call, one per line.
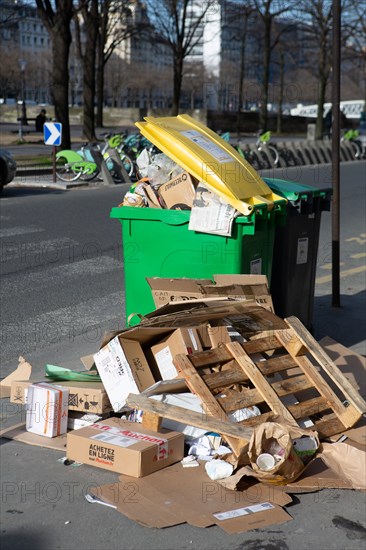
point(346, 324)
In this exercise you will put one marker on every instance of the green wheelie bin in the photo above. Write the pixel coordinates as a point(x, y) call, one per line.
point(158, 243)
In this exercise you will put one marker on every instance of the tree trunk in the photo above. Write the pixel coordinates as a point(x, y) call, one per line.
point(88, 58)
point(60, 82)
point(241, 73)
point(100, 84)
point(177, 86)
point(280, 93)
point(322, 79)
point(263, 114)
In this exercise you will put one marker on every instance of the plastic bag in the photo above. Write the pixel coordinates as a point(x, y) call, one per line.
point(218, 469)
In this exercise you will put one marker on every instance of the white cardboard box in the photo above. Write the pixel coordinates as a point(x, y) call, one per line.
point(123, 369)
point(47, 409)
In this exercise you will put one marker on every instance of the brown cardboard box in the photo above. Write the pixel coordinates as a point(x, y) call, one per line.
point(22, 372)
point(178, 193)
point(123, 365)
point(83, 396)
point(241, 286)
point(182, 340)
point(125, 447)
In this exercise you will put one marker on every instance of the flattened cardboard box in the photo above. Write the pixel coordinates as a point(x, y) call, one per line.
point(178, 495)
point(241, 286)
point(83, 396)
point(125, 447)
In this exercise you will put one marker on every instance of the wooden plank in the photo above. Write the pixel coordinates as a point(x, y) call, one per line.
point(210, 357)
point(223, 378)
point(259, 381)
point(260, 345)
point(292, 385)
point(247, 398)
point(210, 404)
point(347, 415)
point(256, 420)
point(199, 420)
point(151, 421)
point(329, 426)
point(294, 345)
point(276, 364)
point(327, 364)
point(310, 407)
point(197, 386)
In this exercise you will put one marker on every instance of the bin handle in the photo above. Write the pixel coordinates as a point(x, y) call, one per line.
point(132, 315)
point(175, 219)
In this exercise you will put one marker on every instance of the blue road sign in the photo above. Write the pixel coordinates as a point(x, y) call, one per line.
point(52, 133)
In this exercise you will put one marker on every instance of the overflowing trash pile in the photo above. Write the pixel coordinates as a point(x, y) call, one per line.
point(211, 391)
point(214, 387)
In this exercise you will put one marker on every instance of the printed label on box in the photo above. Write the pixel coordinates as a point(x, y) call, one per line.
point(244, 511)
point(126, 438)
point(114, 439)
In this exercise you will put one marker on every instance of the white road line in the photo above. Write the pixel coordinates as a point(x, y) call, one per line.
point(54, 275)
point(21, 230)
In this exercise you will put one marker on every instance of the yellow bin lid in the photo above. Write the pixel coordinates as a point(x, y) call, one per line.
point(210, 159)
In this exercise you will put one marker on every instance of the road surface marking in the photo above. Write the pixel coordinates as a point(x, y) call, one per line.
point(21, 230)
point(360, 240)
point(343, 274)
point(329, 266)
point(358, 256)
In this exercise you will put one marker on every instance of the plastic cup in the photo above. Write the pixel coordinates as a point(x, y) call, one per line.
point(265, 462)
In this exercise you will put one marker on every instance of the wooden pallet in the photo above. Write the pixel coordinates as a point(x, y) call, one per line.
point(273, 372)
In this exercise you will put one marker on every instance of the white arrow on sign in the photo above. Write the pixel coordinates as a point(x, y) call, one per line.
point(52, 133)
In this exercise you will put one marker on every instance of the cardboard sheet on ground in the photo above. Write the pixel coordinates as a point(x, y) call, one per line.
point(210, 159)
point(22, 372)
point(178, 495)
point(19, 433)
point(352, 365)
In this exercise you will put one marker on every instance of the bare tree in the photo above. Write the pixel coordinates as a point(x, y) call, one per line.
point(268, 11)
point(354, 32)
point(86, 20)
point(116, 24)
point(179, 25)
point(318, 36)
point(246, 11)
point(56, 17)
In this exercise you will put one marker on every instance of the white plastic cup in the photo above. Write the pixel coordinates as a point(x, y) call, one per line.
point(265, 462)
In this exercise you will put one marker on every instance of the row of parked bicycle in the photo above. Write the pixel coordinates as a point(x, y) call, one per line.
point(86, 163)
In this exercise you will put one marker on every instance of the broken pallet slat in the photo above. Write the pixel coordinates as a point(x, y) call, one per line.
point(262, 385)
point(221, 355)
point(198, 387)
point(347, 415)
point(310, 407)
point(199, 420)
point(327, 364)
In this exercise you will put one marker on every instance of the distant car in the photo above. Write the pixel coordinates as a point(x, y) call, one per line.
point(8, 168)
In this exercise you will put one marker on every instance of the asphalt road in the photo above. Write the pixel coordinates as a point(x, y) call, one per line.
point(61, 288)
